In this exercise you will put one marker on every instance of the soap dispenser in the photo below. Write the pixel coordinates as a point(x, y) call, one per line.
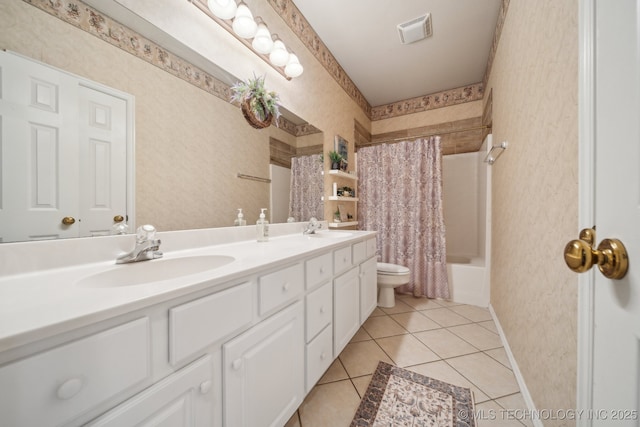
point(240, 219)
point(262, 227)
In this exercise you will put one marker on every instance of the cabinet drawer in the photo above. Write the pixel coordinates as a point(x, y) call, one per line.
point(199, 323)
point(319, 309)
point(319, 270)
point(371, 247)
point(319, 352)
point(53, 387)
point(359, 252)
point(280, 287)
point(341, 260)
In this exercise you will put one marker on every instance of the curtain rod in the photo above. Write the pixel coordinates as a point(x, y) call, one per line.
point(404, 138)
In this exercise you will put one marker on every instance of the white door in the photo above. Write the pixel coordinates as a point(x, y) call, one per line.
point(609, 383)
point(38, 114)
point(103, 161)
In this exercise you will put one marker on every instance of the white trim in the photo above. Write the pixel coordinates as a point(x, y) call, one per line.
point(516, 371)
point(586, 202)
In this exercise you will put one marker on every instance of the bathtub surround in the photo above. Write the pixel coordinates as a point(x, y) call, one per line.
point(400, 196)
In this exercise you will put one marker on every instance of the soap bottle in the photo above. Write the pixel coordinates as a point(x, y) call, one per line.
point(262, 227)
point(240, 219)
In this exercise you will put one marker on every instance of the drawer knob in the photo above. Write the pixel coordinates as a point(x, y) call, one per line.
point(205, 386)
point(236, 364)
point(322, 310)
point(323, 356)
point(285, 287)
point(69, 388)
point(321, 270)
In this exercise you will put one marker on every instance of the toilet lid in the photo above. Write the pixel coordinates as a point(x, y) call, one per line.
point(391, 269)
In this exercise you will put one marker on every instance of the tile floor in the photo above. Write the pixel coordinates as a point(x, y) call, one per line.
point(451, 342)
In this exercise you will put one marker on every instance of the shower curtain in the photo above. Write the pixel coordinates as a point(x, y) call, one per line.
point(307, 183)
point(400, 197)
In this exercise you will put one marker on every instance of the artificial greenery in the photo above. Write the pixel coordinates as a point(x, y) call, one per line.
point(260, 99)
point(335, 156)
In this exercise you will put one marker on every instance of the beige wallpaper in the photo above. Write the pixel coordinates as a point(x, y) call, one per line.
point(535, 194)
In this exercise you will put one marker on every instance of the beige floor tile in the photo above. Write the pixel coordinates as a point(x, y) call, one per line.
point(361, 383)
point(440, 370)
point(361, 358)
point(493, 378)
point(490, 325)
point(330, 405)
point(500, 355)
point(377, 312)
point(406, 350)
point(383, 326)
point(477, 336)
point(335, 372)
point(399, 307)
point(294, 421)
point(490, 414)
point(473, 313)
point(361, 335)
point(446, 303)
point(445, 317)
point(418, 303)
point(516, 408)
point(415, 321)
point(444, 343)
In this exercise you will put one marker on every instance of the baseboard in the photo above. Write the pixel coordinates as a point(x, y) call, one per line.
point(516, 371)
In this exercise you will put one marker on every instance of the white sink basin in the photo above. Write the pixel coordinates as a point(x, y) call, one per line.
point(139, 273)
point(330, 234)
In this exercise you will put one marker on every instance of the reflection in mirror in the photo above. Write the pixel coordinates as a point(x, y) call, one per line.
point(190, 142)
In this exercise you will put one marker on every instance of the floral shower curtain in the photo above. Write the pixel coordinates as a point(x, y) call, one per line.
point(400, 196)
point(307, 183)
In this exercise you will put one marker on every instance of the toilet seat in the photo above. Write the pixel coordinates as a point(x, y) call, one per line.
point(387, 269)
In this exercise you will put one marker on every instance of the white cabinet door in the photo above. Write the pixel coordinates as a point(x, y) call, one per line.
point(264, 371)
point(368, 288)
point(183, 399)
point(346, 309)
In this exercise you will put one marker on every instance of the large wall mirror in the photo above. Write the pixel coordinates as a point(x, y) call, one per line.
point(195, 161)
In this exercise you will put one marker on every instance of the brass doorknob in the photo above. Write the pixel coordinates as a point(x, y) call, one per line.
point(118, 218)
point(68, 220)
point(610, 256)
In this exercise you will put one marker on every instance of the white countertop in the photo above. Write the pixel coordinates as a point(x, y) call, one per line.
point(36, 303)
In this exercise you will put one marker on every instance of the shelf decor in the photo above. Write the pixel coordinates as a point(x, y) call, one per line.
point(259, 106)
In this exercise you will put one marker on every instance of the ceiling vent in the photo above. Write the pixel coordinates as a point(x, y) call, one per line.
point(415, 29)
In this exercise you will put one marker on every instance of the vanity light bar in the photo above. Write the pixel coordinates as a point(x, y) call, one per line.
point(271, 50)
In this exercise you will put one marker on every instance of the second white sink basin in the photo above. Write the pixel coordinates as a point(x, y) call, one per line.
point(139, 273)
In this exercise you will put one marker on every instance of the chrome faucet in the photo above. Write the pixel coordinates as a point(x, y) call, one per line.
point(147, 246)
point(313, 226)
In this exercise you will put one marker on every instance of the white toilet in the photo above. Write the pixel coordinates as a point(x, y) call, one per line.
point(390, 276)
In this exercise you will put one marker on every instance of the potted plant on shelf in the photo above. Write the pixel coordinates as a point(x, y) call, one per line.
point(335, 158)
point(259, 106)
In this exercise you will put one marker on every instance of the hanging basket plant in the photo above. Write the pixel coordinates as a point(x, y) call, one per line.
point(259, 106)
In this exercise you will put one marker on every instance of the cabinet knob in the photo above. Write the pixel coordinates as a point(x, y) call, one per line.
point(205, 386)
point(322, 310)
point(286, 286)
point(321, 270)
point(69, 388)
point(323, 356)
point(236, 364)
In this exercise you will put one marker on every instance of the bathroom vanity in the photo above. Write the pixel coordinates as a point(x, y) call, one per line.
point(222, 331)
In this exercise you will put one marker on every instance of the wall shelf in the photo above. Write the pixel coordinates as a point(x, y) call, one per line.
point(341, 174)
point(342, 224)
point(343, 199)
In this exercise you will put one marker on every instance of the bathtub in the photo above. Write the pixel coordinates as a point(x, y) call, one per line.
point(468, 280)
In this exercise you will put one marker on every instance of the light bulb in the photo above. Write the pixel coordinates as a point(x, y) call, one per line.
point(243, 24)
point(223, 9)
point(293, 67)
point(279, 55)
point(262, 41)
